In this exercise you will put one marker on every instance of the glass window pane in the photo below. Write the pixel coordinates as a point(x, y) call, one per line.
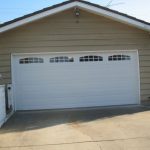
point(31, 60)
point(61, 59)
point(119, 57)
point(91, 58)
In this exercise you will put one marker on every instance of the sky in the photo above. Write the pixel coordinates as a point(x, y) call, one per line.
point(10, 9)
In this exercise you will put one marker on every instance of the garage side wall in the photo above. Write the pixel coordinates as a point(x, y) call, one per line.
point(65, 32)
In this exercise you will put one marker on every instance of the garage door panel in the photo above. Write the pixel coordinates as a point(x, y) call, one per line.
point(79, 95)
point(76, 102)
point(83, 75)
point(48, 93)
point(87, 87)
point(49, 85)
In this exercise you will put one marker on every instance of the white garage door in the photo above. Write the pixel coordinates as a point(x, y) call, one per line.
point(49, 81)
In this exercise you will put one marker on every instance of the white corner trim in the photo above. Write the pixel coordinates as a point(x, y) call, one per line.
point(83, 6)
point(139, 77)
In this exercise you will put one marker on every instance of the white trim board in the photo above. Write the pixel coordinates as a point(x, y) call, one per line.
point(37, 17)
point(114, 16)
point(75, 52)
point(84, 6)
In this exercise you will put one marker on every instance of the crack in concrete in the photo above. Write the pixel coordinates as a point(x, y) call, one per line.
point(100, 147)
point(80, 142)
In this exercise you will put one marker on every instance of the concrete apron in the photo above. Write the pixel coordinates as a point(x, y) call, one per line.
point(125, 128)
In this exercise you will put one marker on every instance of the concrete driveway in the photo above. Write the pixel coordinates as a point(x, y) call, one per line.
point(121, 128)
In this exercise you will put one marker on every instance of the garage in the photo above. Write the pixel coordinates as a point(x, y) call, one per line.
point(71, 80)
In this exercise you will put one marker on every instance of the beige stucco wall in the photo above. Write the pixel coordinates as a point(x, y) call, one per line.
point(62, 32)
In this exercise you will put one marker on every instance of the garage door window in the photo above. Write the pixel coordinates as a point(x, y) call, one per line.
point(119, 57)
point(30, 60)
point(61, 59)
point(91, 58)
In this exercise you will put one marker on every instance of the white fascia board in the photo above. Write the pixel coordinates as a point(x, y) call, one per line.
point(38, 16)
point(114, 16)
point(83, 6)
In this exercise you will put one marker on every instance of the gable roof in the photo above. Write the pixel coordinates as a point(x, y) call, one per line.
point(88, 6)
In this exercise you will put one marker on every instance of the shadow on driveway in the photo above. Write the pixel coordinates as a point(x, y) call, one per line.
point(32, 120)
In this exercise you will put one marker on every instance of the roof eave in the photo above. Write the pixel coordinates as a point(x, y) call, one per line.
point(83, 5)
point(37, 17)
point(114, 16)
